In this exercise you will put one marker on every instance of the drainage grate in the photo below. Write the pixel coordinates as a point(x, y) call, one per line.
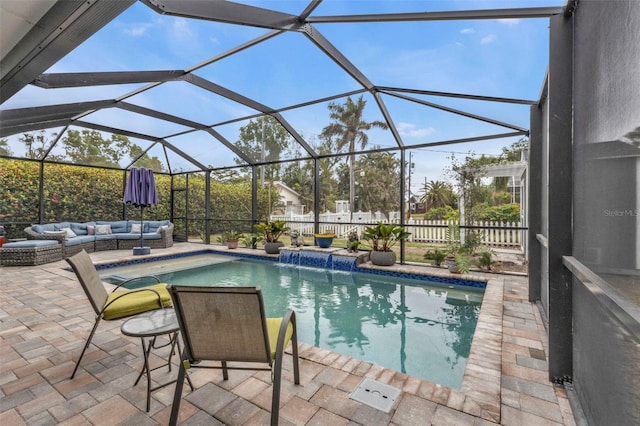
point(376, 394)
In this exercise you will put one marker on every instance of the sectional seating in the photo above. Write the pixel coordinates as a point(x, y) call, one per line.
point(103, 235)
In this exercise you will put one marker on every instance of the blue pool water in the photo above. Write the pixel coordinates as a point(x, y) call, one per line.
point(419, 328)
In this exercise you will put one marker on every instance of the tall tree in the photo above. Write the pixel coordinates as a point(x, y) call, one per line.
point(348, 128)
point(37, 143)
point(264, 140)
point(378, 187)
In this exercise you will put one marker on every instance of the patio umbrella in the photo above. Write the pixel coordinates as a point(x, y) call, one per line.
point(140, 191)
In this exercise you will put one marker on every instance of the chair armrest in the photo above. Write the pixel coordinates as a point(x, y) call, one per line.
point(134, 279)
point(32, 235)
point(289, 317)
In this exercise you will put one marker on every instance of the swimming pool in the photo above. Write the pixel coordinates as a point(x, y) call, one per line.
point(419, 328)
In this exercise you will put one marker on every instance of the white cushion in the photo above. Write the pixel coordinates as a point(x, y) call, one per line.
point(135, 228)
point(69, 232)
point(103, 229)
point(160, 228)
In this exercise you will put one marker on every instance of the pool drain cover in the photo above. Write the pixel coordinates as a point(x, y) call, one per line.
point(376, 394)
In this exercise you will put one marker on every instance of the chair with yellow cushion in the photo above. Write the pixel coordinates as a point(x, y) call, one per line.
point(119, 303)
point(228, 325)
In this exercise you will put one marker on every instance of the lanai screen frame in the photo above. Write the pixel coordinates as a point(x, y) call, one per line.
point(68, 24)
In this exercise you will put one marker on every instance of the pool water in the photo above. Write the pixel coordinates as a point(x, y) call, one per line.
point(418, 328)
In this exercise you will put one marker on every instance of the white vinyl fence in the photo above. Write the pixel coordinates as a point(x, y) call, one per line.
point(495, 234)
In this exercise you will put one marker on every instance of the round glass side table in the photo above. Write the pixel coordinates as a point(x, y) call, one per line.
point(150, 325)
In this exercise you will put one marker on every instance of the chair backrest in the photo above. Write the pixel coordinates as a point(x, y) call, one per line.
point(89, 279)
point(222, 323)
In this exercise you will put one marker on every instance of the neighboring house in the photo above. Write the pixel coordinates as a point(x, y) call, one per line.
point(416, 206)
point(289, 203)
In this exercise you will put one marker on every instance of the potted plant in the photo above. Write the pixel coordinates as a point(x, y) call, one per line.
point(381, 238)
point(231, 238)
point(324, 239)
point(437, 256)
point(485, 260)
point(271, 232)
point(459, 256)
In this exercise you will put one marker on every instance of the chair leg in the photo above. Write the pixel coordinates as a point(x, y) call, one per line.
point(177, 396)
point(225, 371)
point(294, 353)
point(275, 397)
point(86, 345)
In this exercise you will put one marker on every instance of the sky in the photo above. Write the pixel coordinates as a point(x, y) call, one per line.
point(500, 58)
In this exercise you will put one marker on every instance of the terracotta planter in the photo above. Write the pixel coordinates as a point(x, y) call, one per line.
point(273, 248)
point(232, 244)
point(383, 258)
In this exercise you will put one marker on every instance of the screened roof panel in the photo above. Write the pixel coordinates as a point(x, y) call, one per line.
point(36, 96)
point(422, 124)
point(437, 55)
point(91, 147)
point(203, 106)
point(34, 145)
point(227, 65)
point(147, 40)
point(204, 148)
point(259, 143)
point(130, 121)
point(276, 72)
point(154, 158)
point(179, 163)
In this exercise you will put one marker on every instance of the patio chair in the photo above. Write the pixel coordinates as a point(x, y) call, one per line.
point(228, 324)
point(117, 304)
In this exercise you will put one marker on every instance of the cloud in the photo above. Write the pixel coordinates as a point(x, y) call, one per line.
point(182, 29)
point(509, 21)
point(488, 39)
point(137, 30)
point(410, 130)
point(467, 31)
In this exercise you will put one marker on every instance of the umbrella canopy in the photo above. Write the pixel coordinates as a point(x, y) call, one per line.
point(140, 190)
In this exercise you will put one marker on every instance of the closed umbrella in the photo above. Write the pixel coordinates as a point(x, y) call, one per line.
point(140, 191)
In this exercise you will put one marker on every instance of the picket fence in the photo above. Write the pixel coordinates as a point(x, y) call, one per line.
point(494, 234)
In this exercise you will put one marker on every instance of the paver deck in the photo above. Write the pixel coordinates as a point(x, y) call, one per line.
point(45, 317)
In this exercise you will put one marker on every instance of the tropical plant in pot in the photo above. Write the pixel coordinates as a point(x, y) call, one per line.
point(272, 231)
point(231, 238)
point(459, 256)
point(381, 238)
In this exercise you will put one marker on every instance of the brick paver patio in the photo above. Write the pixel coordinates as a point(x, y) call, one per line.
point(45, 317)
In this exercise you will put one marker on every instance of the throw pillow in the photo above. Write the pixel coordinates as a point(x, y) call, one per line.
point(103, 229)
point(91, 230)
point(69, 232)
point(160, 228)
point(136, 228)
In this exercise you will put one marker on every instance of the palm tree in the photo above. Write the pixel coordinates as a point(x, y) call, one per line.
point(349, 128)
point(437, 194)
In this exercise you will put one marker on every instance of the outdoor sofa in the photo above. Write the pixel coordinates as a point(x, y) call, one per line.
point(103, 235)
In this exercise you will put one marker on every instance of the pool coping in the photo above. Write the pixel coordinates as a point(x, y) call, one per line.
point(398, 270)
point(479, 394)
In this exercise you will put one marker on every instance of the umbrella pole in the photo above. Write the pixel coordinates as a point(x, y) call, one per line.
point(141, 226)
point(142, 249)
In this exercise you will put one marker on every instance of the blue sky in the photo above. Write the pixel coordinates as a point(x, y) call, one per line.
point(502, 58)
